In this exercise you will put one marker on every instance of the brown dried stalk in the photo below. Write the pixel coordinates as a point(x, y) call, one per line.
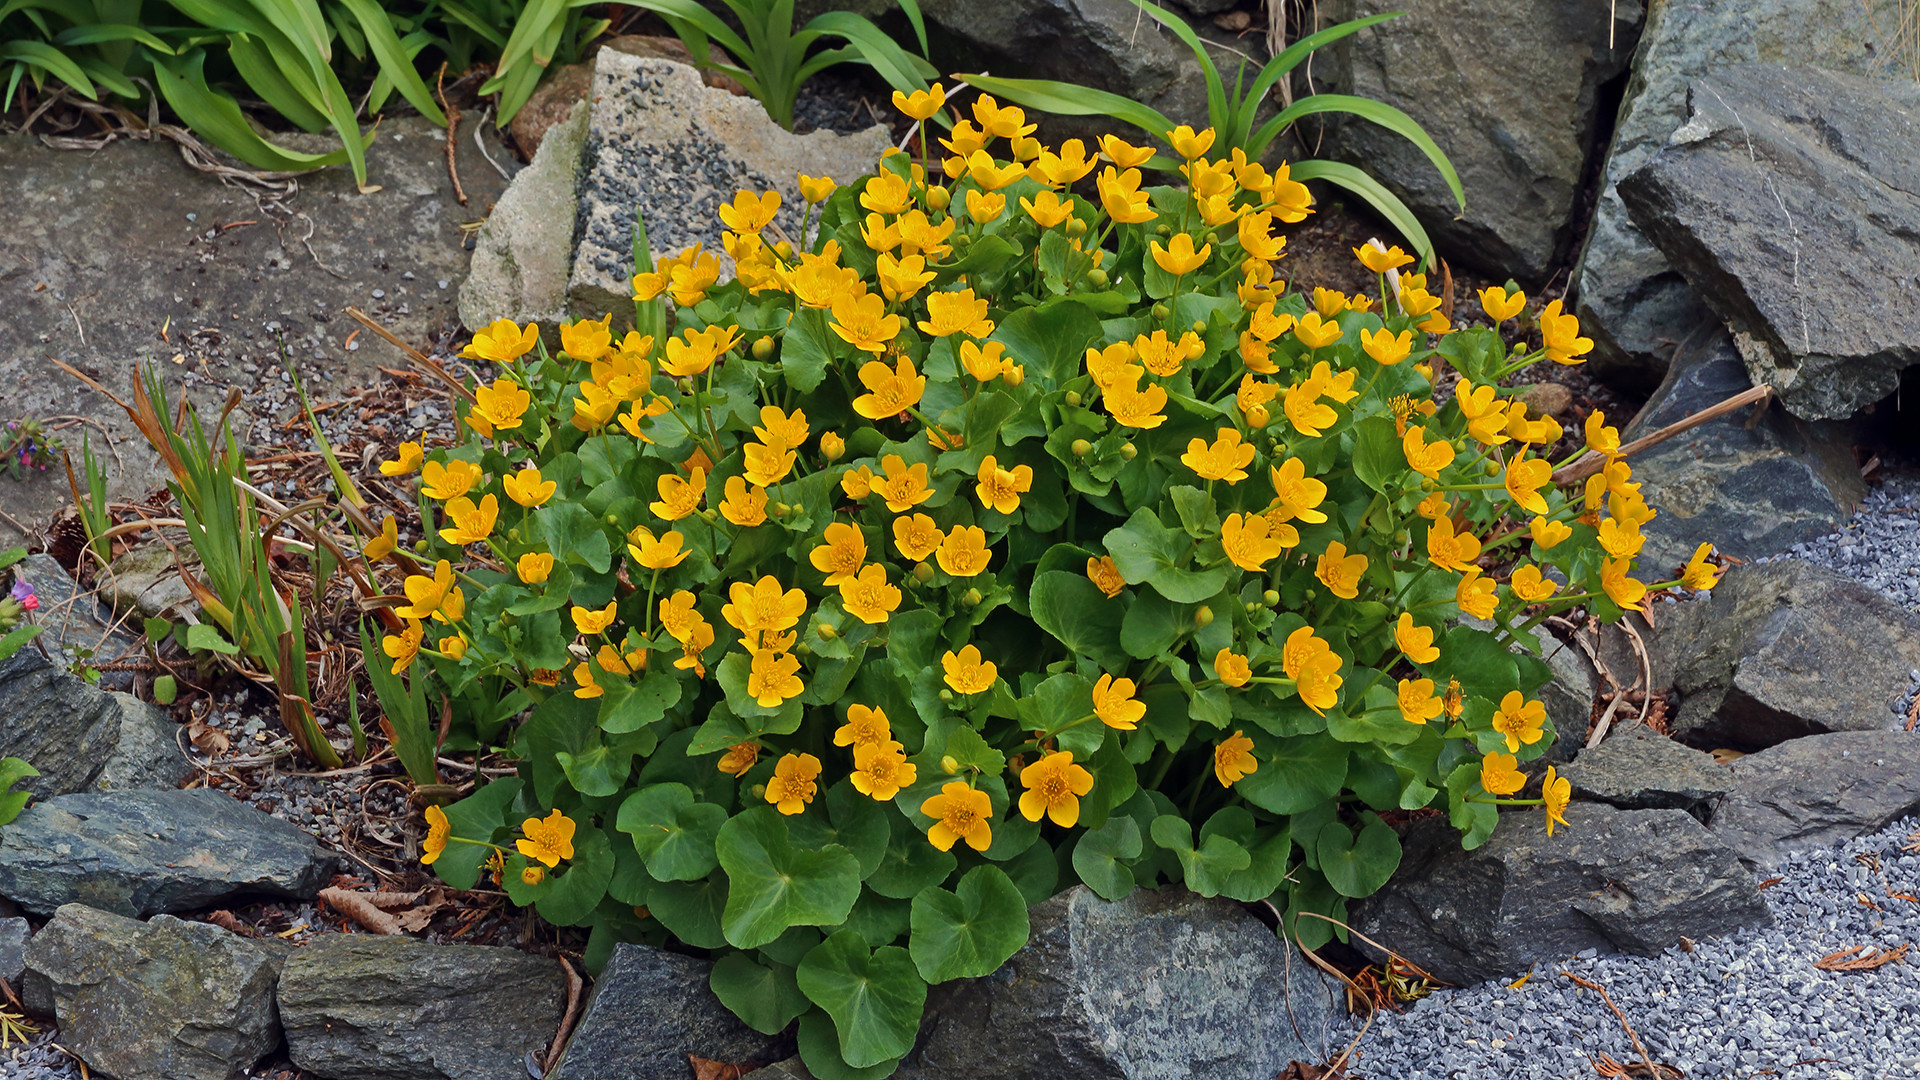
point(1590, 462)
point(359, 908)
point(1859, 958)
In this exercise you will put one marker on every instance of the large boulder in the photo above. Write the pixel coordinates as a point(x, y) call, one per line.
point(1641, 769)
point(1513, 98)
point(80, 737)
point(160, 1000)
point(386, 1008)
point(1632, 302)
point(1790, 201)
point(650, 1009)
point(139, 853)
point(1163, 985)
point(1631, 881)
point(1818, 792)
point(1751, 486)
point(1787, 649)
point(524, 253)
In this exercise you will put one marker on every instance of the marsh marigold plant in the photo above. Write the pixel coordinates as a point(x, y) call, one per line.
point(1010, 525)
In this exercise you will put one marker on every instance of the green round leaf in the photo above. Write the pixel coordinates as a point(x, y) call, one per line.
point(820, 1051)
point(765, 996)
point(911, 863)
point(775, 885)
point(852, 820)
point(1295, 774)
point(672, 831)
point(580, 882)
point(879, 920)
point(1358, 865)
point(1098, 855)
point(1207, 867)
point(875, 997)
point(1034, 871)
point(691, 909)
point(970, 932)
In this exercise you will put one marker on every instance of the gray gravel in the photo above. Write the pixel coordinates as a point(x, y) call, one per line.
point(1881, 546)
point(1734, 1007)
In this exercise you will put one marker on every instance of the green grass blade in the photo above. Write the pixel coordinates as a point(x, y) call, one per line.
point(103, 32)
point(1367, 109)
point(52, 61)
point(708, 23)
point(1218, 114)
point(1385, 202)
point(217, 118)
point(466, 17)
point(1292, 55)
point(109, 78)
point(896, 65)
point(256, 66)
point(395, 62)
point(919, 24)
point(1068, 99)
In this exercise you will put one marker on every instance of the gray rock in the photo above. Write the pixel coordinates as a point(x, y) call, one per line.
point(525, 250)
point(1163, 985)
point(1750, 489)
point(1516, 111)
point(649, 1010)
point(1641, 769)
point(384, 1008)
point(1787, 649)
point(1817, 792)
point(1632, 881)
point(1633, 304)
point(137, 853)
point(14, 934)
point(167, 1000)
point(78, 627)
point(1569, 696)
point(664, 144)
point(145, 582)
point(82, 738)
point(1790, 201)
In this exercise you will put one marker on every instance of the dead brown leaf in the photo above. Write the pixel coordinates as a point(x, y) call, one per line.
point(1771, 882)
point(706, 1069)
point(1859, 958)
point(227, 921)
point(355, 906)
point(209, 740)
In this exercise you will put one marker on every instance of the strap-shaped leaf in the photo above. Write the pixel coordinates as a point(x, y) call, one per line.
point(1217, 114)
point(1384, 202)
point(1069, 99)
point(217, 118)
point(51, 60)
point(1290, 58)
point(1385, 115)
point(395, 62)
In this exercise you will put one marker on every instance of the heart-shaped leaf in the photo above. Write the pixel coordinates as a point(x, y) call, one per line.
point(673, 832)
point(581, 882)
point(1207, 867)
point(874, 997)
point(766, 996)
point(820, 1052)
point(910, 863)
point(691, 909)
point(970, 932)
point(1358, 865)
point(774, 885)
point(852, 820)
point(1295, 774)
point(1099, 854)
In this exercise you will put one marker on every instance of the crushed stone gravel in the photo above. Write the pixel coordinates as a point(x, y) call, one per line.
point(1880, 547)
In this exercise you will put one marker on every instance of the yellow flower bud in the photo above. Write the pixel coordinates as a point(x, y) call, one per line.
point(948, 765)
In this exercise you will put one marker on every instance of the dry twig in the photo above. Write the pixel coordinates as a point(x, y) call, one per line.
point(361, 909)
point(1646, 1064)
point(1859, 958)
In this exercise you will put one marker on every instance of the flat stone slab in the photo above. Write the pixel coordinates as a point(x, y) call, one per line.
point(140, 853)
point(359, 1007)
point(1817, 792)
point(82, 738)
point(1638, 769)
point(166, 1000)
point(650, 1009)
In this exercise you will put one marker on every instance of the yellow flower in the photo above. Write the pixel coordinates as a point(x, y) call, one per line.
point(502, 342)
point(880, 770)
point(841, 556)
point(763, 606)
point(1434, 507)
point(454, 646)
point(589, 622)
point(1250, 541)
point(1423, 457)
point(1621, 538)
point(1530, 586)
point(1232, 668)
point(502, 404)
point(966, 672)
point(1304, 409)
point(1132, 407)
point(610, 660)
point(427, 596)
point(694, 351)
point(528, 488)
point(1699, 573)
point(921, 104)
point(1525, 476)
point(1054, 785)
point(381, 546)
point(1417, 701)
point(1453, 702)
point(816, 189)
point(1178, 257)
point(983, 208)
point(951, 313)
point(1500, 774)
point(679, 497)
point(1257, 240)
point(438, 829)
point(1115, 705)
point(1000, 489)
point(916, 536)
point(890, 391)
point(405, 459)
point(983, 362)
point(901, 278)
point(1312, 664)
point(1601, 439)
point(739, 758)
point(865, 726)
point(773, 678)
point(594, 407)
point(1450, 550)
point(1560, 336)
point(1622, 589)
point(586, 339)
point(1046, 208)
point(1519, 720)
point(1340, 572)
point(1121, 195)
point(963, 551)
point(778, 429)
point(902, 487)
point(449, 481)
point(1188, 143)
point(1548, 534)
point(1501, 305)
point(1297, 492)
point(1381, 259)
point(766, 465)
point(750, 213)
point(1557, 791)
point(1415, 640)
point(549, 840)
point(1105, 575)
point(832, 446)
point(1385, 348)
point(404, 646)
point(886, 193)
point(1315, 332)
point(1233, 759)
point(1485, 413)
point(983, 170)
point(664, 553)
point(1123, 153)
point(792, 785)
point(919, 234)
point(533, 875)
point(1227, 459)
point(744, 506)
point(1476, 595)
point(471, 524)
point(583, 674)
point(960, 813)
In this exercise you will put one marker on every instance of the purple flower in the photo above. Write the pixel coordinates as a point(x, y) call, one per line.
point(24, 595)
